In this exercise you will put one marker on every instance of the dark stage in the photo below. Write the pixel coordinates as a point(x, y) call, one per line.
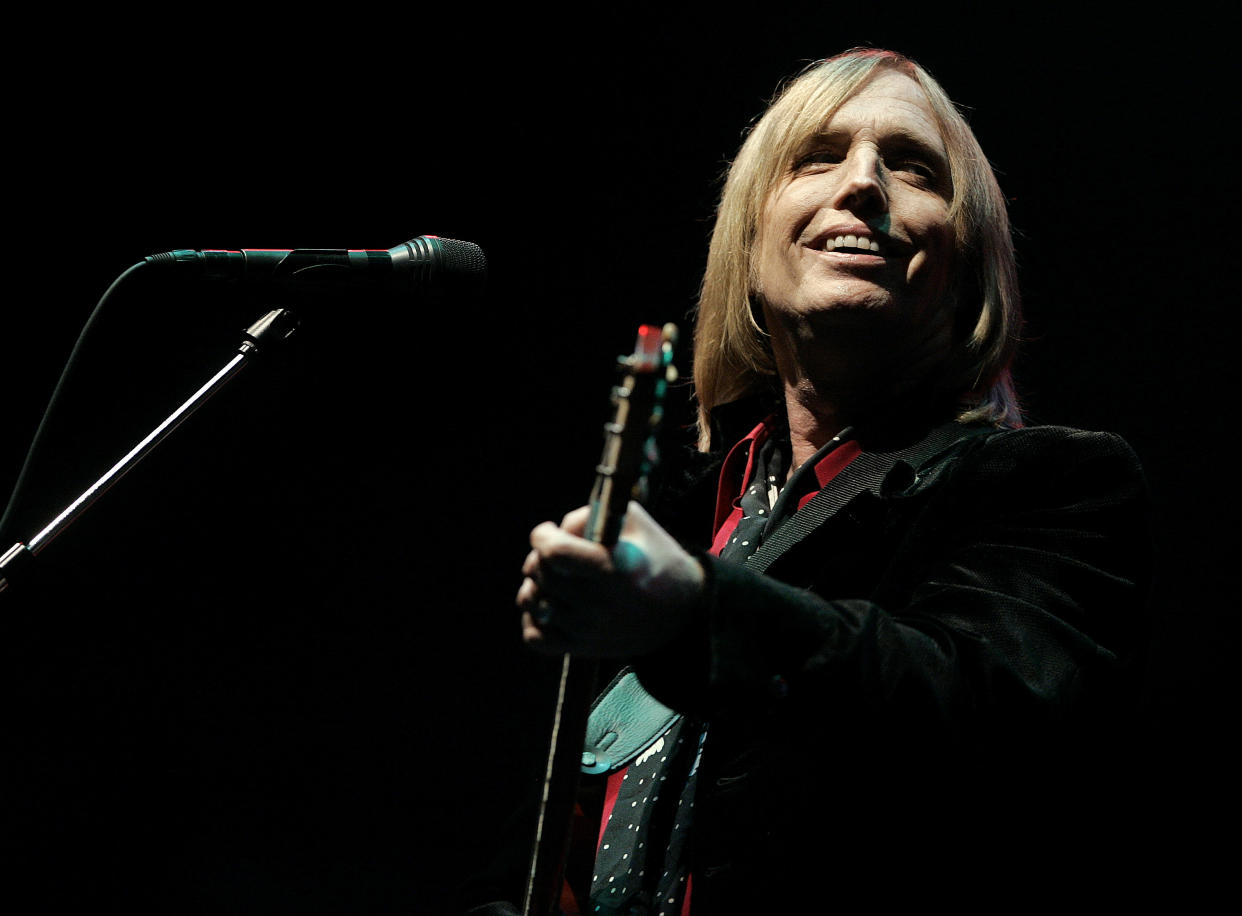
point(276, 669)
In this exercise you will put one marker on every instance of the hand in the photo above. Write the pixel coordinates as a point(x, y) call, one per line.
point(582, 598)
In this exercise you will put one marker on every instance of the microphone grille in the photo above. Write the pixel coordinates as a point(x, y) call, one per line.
point(462, 258)
point(440, 266)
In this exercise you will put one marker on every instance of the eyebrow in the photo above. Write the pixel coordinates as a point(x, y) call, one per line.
point(899, 138)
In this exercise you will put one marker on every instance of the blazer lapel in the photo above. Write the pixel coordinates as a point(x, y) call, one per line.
point(866, 473)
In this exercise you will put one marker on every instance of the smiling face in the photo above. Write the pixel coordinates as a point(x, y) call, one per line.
point(767, 307)
point(858, 231)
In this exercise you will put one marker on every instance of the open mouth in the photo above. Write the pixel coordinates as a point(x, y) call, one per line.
point(852, 244)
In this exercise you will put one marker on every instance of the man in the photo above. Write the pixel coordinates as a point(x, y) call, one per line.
point(887, 615)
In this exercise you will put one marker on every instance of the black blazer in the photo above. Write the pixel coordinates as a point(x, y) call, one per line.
point(917, 674)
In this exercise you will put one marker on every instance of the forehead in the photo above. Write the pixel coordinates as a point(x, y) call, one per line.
point(889, 104)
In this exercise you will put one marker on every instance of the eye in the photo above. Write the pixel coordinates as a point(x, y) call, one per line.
point(818, 157)
point(916, 163)
point(913, 166)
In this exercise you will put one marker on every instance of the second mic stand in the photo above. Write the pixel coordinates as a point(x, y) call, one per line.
point(275, 326)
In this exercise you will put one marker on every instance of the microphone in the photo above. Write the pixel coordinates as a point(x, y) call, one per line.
point(427, 266)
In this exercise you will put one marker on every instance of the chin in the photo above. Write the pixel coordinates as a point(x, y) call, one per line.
point(871, 305)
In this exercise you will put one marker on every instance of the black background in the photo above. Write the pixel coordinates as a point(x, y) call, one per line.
point(276, 668)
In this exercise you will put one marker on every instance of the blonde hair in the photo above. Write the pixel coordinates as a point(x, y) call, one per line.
point(732, 355)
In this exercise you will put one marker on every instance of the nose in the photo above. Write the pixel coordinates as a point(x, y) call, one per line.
point(863, 182)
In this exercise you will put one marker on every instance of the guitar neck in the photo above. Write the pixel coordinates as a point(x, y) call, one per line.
point(627, 459)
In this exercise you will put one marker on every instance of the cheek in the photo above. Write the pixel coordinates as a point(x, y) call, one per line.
point(765, 261)
point(785, 215)
point(788, 210)
point(760, 269)
point(795, 204)
point(932, 264)
point(933, 275)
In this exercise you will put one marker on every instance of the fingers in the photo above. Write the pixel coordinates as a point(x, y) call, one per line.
point(537, 630)
point(528, 593)
point(543, 638)
point(575, 522)
point(574, 595)
point(560, 566)
point(557, 551)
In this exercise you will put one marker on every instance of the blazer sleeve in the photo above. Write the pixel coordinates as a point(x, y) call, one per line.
point(1014, 597)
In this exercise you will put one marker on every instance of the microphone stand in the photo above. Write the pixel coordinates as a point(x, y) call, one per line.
point(275, 326)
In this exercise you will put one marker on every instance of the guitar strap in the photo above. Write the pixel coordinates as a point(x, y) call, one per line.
point(624, 722)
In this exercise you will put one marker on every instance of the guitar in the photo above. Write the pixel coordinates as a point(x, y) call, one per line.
point(628, 457)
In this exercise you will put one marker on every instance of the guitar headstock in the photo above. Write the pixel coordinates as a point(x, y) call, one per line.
point(653, 349)
point(629, 438)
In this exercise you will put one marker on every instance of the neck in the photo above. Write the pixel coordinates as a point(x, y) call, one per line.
point(881, 400)
point(813, 422)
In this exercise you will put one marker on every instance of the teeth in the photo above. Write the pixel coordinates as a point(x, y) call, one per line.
point(852, 241)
